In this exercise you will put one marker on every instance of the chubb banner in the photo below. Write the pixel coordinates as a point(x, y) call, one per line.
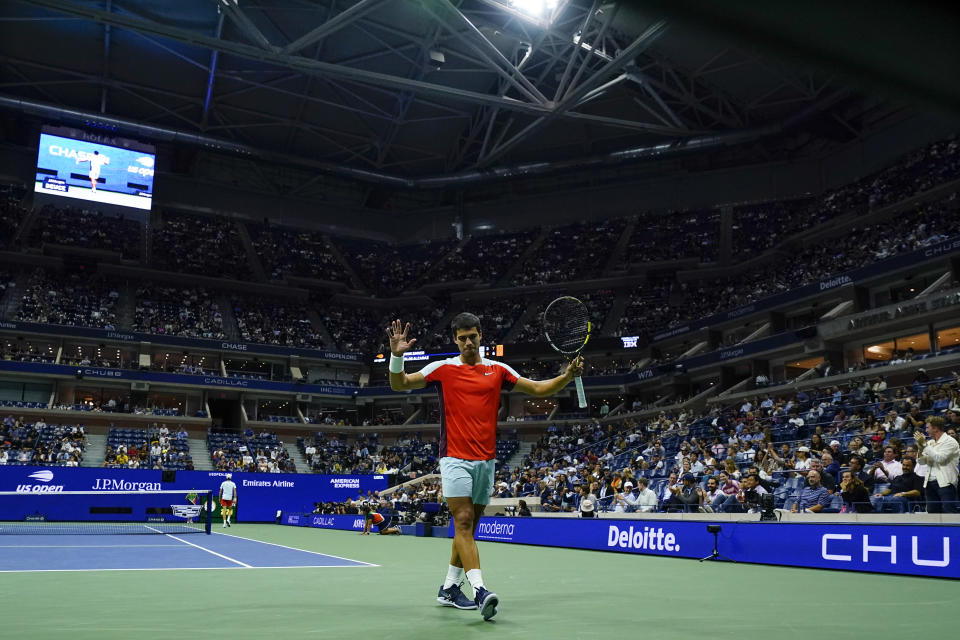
point(923, 550)
point(260, 495)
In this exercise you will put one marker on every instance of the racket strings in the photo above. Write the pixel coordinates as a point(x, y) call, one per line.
point(566, 322)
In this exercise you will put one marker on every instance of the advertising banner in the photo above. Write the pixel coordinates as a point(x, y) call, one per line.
point(260, 495)
point(343, 523)
point(176, 341)
point(923, 550)
point(98, 373)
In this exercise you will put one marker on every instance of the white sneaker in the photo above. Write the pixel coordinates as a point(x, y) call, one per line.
point(224, 525)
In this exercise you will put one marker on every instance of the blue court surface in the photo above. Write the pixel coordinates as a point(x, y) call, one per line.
point(32, 553)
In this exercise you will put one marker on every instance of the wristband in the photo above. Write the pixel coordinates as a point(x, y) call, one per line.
point(396, 364)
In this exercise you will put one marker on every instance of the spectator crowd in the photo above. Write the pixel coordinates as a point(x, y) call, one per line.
point(827, 448)
point(40, 444)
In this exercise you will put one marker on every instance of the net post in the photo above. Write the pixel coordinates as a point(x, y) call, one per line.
point(208, 527)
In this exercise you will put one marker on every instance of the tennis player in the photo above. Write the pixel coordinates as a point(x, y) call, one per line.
point(96, 161)
point(469, 388)
point(228, 499)
point(371, 518)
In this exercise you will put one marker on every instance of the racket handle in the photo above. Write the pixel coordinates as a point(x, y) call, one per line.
point(581, 396)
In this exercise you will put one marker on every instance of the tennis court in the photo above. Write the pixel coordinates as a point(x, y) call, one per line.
point(338, 584)
point(42, 553)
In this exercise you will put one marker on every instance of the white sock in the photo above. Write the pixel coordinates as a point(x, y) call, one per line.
point(453, 576)
point(476, 580)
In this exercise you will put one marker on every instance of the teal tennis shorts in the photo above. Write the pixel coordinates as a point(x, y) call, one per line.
point(467, 479)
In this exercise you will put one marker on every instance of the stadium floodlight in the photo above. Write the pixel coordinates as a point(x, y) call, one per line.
point(539, 12)
point(535, 8)
point(577, 40)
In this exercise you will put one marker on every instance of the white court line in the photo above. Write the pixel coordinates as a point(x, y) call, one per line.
point(318, 553)
point(219, 555)
point(301, 566)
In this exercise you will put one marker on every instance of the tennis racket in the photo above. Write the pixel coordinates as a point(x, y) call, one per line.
point(566, 324)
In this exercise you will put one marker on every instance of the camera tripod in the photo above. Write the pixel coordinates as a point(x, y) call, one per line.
point(715, 555)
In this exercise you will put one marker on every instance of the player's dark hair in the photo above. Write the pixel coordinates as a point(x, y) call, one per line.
point(464, 321)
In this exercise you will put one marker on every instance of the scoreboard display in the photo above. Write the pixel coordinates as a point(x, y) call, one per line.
point(94, 167)
point(413, 356)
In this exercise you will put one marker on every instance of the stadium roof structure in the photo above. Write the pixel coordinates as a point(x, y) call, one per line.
point(441, 93)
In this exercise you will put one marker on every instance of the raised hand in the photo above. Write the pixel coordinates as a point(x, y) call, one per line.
point(575, 368)
point(397, 332)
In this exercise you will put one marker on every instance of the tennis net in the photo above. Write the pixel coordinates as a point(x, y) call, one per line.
point(106, 512)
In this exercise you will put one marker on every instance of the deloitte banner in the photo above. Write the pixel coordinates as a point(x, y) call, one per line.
point(260, 495)
point(923, 550)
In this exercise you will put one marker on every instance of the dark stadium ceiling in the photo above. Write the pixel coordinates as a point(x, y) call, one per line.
point(399, 90)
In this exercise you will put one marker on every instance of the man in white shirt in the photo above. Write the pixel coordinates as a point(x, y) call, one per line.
point(880, 389)
point(683, 453)
point(941, 454)
point(228, 498)
point(96, 162)
point(696, 467)
point(646, 500)
point(714, 497)
point(895, 422)
point(888, 468)
point(796, 420)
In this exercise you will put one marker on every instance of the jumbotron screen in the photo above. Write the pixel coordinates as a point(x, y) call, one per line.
point(94, 167)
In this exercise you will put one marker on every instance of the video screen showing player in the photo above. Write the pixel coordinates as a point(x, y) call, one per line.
point(118, 174)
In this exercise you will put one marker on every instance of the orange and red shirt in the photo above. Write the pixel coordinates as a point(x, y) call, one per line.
point(469, 403)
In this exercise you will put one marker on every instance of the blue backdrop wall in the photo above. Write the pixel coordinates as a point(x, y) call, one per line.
point(260, 494)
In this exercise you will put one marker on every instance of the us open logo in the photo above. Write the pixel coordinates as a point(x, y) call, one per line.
point(44, 476)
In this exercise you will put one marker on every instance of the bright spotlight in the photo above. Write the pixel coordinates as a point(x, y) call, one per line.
point(540, 12)
point(539, 9)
